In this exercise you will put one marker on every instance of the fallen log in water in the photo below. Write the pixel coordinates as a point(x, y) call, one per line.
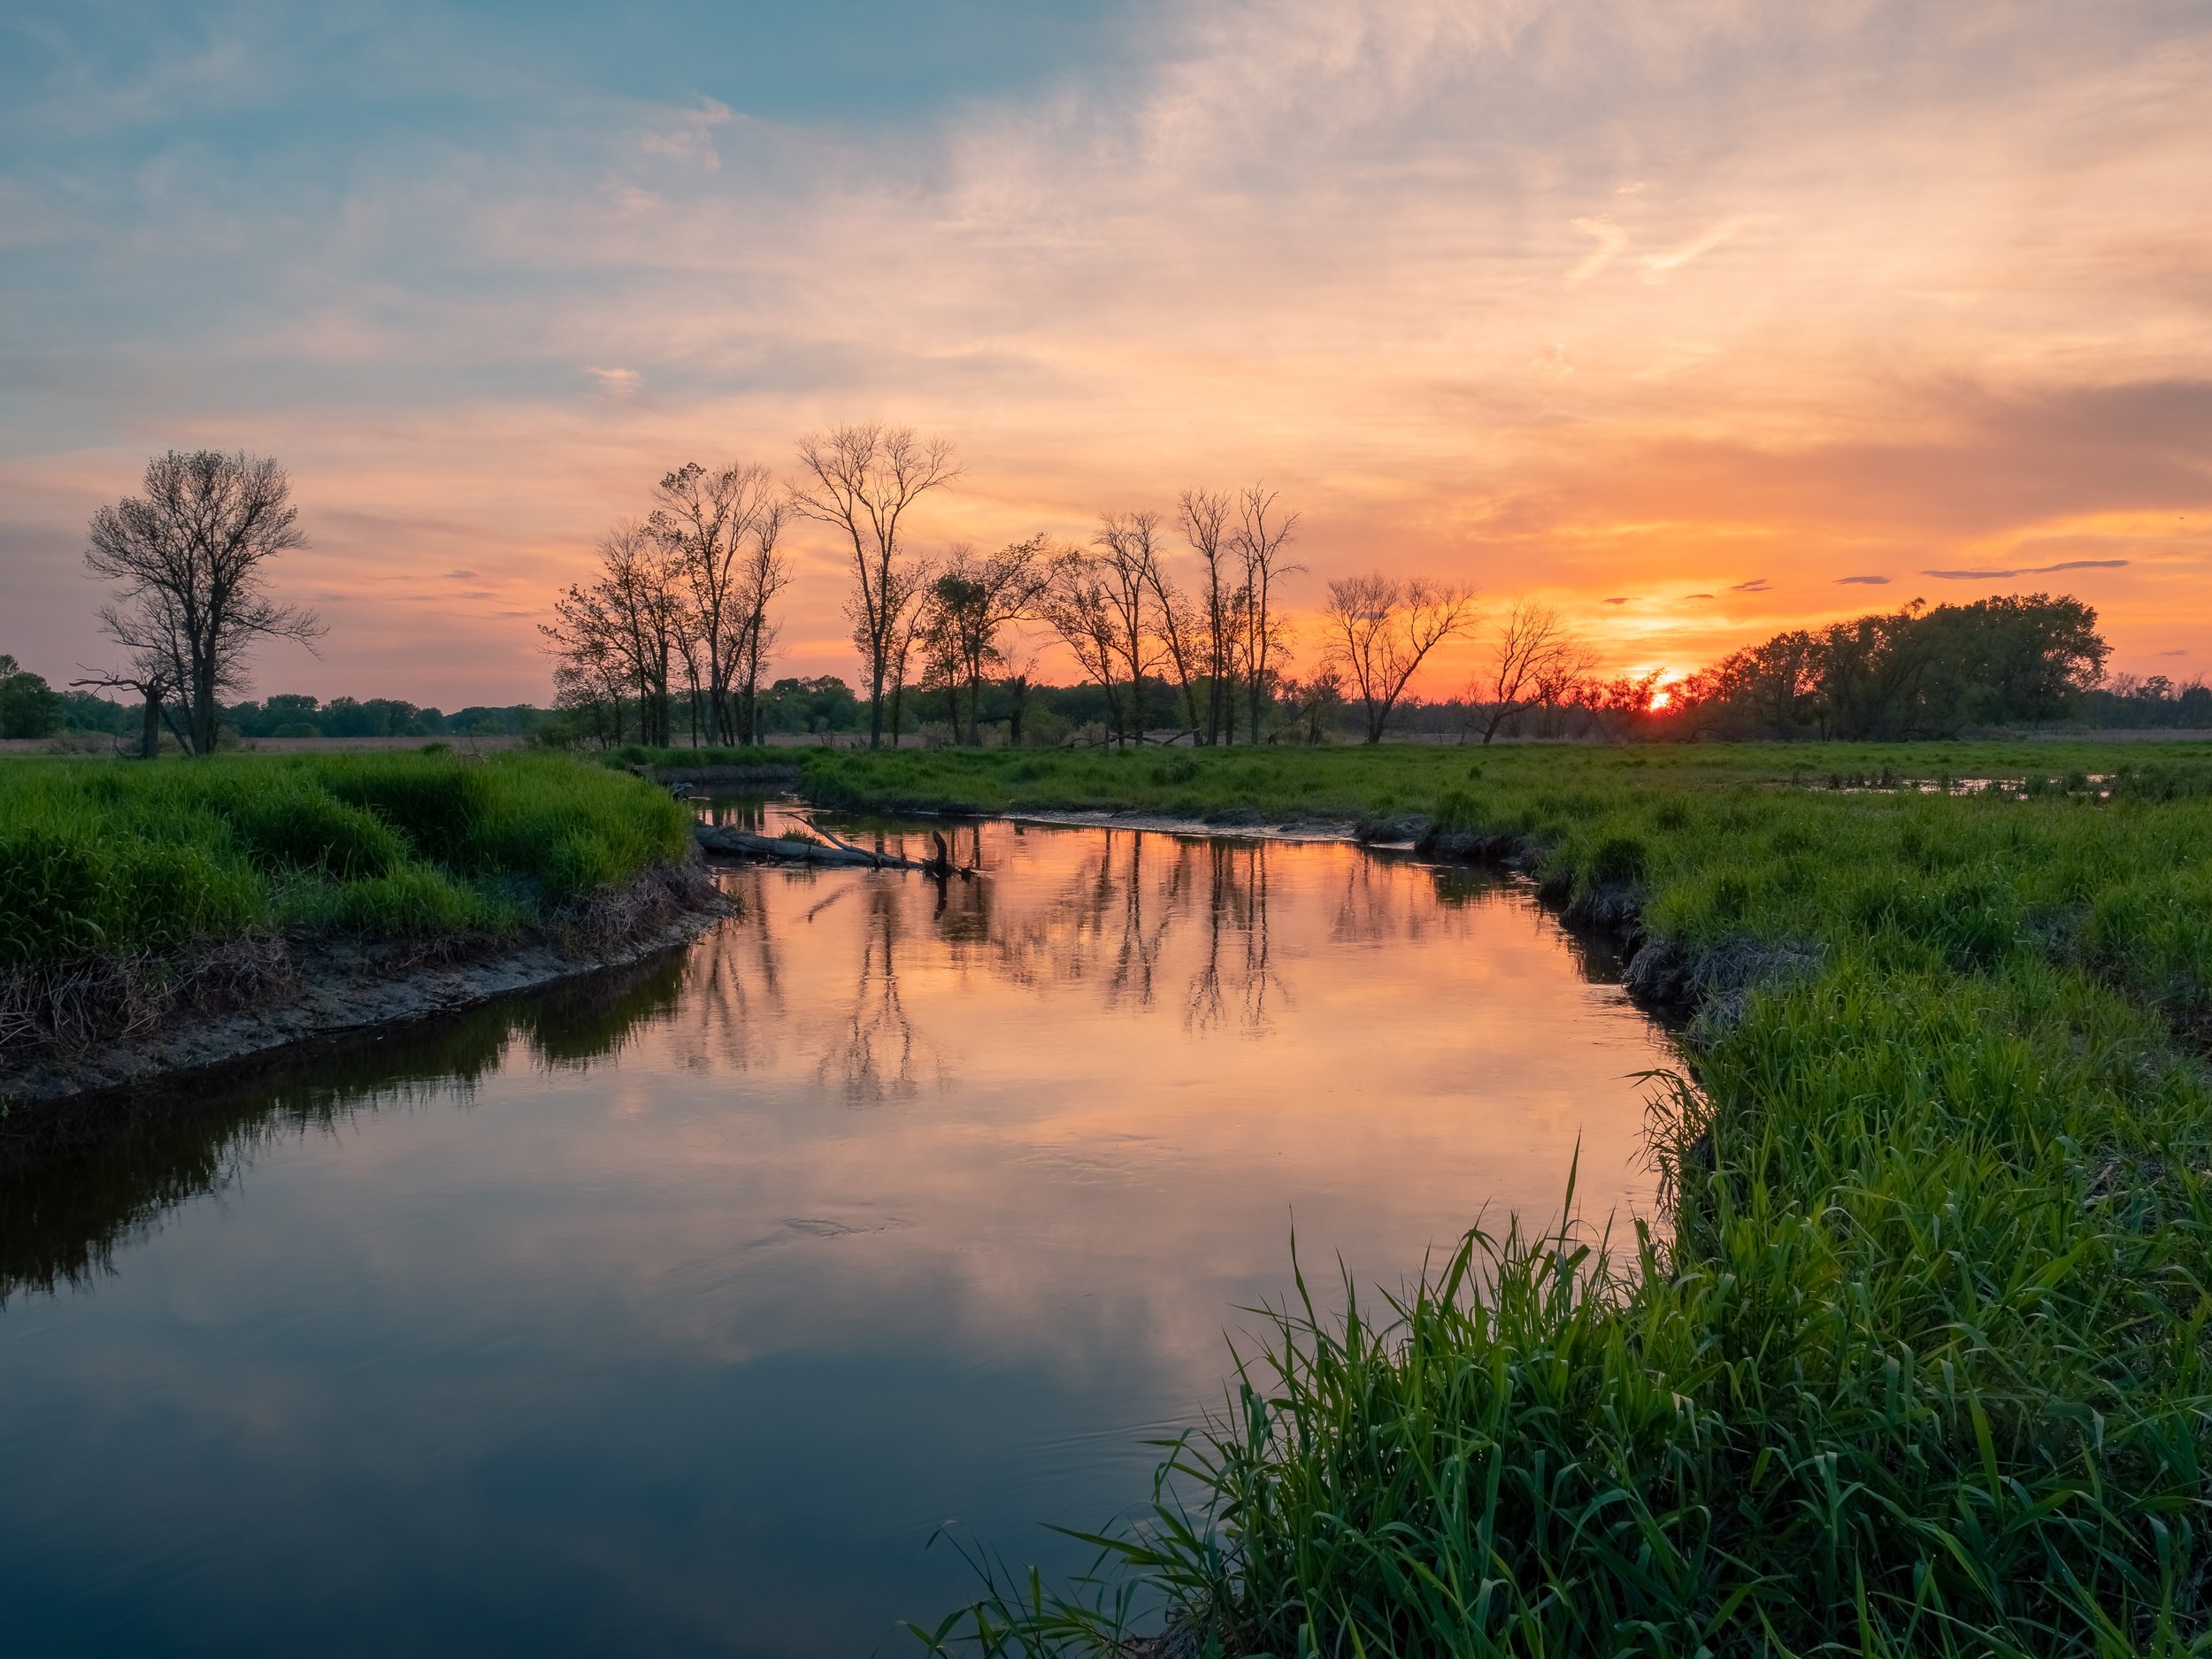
point(737, 843)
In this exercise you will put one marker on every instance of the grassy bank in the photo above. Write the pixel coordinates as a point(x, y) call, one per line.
point(105, 863)
point(1352, 782)
point(1923, 1365)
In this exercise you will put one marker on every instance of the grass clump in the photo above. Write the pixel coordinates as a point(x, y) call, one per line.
point(1922, 1362)
point(104, 859)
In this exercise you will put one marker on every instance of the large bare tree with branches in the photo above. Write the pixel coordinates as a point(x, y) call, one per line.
point(1079, 607)
point(627, 627)
point(862, 481)
point(1264, 529)
point(1205, 515)
point(709, 522)
point(765, 572)
point(191, 556)
point(1534, 659)
point(1379, 628)
point(1126, 554)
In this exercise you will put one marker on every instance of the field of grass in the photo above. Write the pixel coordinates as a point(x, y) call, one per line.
point(1923, 1365)
point(1356, 782)
point(109, 859)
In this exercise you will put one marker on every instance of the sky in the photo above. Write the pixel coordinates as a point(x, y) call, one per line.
point(1697, 321)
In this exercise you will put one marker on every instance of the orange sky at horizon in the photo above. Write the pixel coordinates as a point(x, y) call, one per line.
point(1696, 326)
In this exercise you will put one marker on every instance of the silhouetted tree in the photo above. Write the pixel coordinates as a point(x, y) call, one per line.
point(1264, 530)
point(1533, 659)
point(972, 603)
point(1379, 629)
point(191, 556)
point(863, 480)
point(711, 524)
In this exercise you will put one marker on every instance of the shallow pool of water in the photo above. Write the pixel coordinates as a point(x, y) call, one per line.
point(671, 1313)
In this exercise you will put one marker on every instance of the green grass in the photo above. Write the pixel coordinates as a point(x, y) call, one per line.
point(100, 858)
point(1359, 781)
point(639, 754)
point(1921, 1364)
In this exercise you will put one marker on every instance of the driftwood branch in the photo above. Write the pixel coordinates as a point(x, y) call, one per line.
point(735, 844)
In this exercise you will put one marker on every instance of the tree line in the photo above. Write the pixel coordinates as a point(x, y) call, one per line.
point(679, 613)
point(1176, 623)
point(1193, 603)
point(2007, 660)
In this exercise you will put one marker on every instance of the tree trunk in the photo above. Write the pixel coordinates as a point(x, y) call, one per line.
point(150, 733)
point(203, 724)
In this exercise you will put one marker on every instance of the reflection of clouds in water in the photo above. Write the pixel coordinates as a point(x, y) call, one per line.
point(1063, 1189)
point(1009, 983)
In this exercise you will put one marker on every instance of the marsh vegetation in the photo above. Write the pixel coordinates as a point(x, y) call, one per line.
point(131, 893)
point(1919, 1365)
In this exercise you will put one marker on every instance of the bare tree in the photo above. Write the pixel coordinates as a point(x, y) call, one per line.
point(1179, 622)
point(1316, 698)
point(972, 603)
point(1534, 660)
point(1078, 608)
point(862, 479)
point(191, 555)
point(1126, 559)
point(765, 573)
point(706, 519)
point(1019, 680)
point(627, 624)
point(1263, 532)
point(1204, 515)
point(149, 675)
point(906, 610)
point(1379, 628)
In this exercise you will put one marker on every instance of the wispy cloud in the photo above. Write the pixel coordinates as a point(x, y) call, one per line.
point(1658, 264)
point(2032, 569)
point(1756, 585)
point(1861, 581)
point(689, 136)
point(1610, 239)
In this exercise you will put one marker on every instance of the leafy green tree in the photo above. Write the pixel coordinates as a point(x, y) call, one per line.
point(29, 706)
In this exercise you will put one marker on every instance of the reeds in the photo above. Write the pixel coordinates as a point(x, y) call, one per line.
point(1921, 1365)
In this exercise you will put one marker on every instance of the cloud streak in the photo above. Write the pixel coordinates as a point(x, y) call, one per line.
point(2032, 569)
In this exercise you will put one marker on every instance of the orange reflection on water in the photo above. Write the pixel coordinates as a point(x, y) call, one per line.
point(1128, 1045)
point(673, 1311)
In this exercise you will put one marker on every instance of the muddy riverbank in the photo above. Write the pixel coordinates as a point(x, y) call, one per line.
point(274, 991)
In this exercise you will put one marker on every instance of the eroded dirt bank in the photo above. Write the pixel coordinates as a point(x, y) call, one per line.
point(269, 992)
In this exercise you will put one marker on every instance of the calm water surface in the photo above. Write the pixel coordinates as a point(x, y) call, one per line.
point(671, 1314)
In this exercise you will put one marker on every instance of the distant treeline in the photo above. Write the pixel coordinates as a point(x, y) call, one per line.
point(1995, 665)
point(30, 707)
point(2005, 662)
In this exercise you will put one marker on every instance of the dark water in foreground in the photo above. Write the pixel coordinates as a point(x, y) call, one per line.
point(671, 1315)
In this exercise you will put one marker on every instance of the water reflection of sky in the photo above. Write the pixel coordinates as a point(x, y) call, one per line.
point(671, 1314)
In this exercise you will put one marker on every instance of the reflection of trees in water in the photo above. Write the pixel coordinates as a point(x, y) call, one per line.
point(875, 1057)
point(1127, 914)
point(738, 1014)
point(1387, 900)
point(77, 1184)
point(1105, 921)
point(1237, 961)
point(734, 1007)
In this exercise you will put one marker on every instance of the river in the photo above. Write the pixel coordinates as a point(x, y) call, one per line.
point(672, 1312)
